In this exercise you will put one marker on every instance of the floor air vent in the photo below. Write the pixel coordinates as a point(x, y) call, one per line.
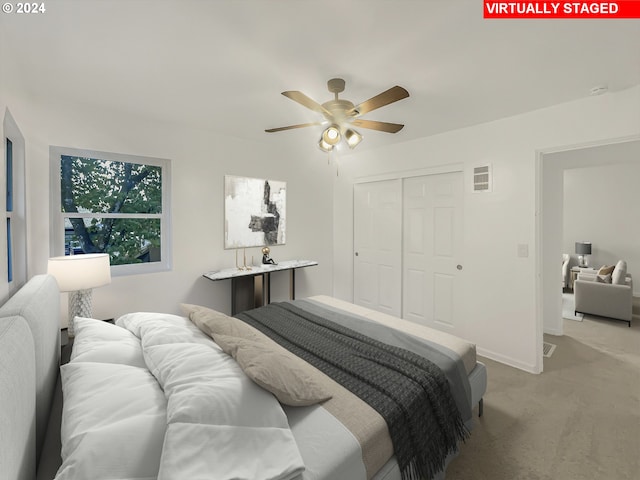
point(547, 349)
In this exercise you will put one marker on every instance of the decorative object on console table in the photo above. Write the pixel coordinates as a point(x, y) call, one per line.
point(244, 265)
point(78, 275)
point(252, 288)
point(583, 249)
point(254, 212)
point(265, 256)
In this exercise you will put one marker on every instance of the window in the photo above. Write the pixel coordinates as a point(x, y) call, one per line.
point(111, 203)
point(9, 207)
point(14, 263)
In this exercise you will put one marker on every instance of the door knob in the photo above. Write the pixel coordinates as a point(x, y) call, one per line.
point(356, 254)
point(459, 267)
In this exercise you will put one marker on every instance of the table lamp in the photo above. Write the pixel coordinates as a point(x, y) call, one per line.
point(582, 250)
point(78, 275)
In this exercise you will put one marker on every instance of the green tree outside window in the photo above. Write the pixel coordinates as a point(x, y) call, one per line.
point(111, 207)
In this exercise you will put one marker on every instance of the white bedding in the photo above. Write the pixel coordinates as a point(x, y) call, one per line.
point(155, 398)
point(210, 422)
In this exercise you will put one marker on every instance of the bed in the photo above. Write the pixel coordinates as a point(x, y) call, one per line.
point(160, 396)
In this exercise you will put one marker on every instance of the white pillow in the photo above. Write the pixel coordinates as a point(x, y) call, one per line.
point(619, 275)
point(99, 341)
point(152, 325)
point(113, 422)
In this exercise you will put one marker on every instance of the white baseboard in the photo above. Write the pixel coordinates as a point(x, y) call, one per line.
point(553, 331)
point(512, 362)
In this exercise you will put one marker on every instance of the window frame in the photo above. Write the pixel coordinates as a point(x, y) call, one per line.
point(16, 240)
point(9, 205)
point(57, 232)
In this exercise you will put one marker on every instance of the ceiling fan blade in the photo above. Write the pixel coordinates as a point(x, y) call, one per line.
point(381, 126)
point(305, 101)
point(291, 127)
point(385, 98)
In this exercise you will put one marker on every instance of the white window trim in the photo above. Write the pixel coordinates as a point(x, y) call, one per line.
point(57, 217)
point(19, 214)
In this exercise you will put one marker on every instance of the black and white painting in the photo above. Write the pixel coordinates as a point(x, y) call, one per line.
point(254, 212)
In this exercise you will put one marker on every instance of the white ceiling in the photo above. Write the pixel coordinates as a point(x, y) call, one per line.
point(221, 64)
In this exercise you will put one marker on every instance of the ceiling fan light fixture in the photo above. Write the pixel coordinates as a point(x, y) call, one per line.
point(331, 135)
point(324, 146)
point(353, 138)
point(340, 114)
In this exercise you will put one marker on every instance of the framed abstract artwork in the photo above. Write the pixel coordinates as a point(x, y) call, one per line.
point(255, 212)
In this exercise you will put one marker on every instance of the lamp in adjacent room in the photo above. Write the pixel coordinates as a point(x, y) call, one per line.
point(582, 250)
point(78, 275)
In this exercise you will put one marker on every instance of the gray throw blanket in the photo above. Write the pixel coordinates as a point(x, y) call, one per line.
point(407, 390)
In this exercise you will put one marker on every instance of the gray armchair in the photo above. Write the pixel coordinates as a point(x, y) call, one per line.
point(614, 300)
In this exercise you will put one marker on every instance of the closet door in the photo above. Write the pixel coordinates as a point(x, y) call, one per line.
point(432, 245)
point(378, 246)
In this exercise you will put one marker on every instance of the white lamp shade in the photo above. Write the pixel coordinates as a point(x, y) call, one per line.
point(80, 272)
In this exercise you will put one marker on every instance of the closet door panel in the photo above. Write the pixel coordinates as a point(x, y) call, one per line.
point(378, 246)
point(432, 245)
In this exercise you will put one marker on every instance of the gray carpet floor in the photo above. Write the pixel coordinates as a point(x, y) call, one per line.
point(580, 419)
point(568, 308)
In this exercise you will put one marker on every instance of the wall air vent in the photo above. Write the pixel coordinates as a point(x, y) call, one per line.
point(482, 179)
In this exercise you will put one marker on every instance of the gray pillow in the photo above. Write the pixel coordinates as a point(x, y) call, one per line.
point(292, 380)
point(606, 270)
point(603, 278)
point(213, 322)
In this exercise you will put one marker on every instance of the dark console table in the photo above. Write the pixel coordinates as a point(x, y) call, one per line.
point(251, 288)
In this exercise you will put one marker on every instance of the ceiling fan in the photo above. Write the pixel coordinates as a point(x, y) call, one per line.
point(342, 114)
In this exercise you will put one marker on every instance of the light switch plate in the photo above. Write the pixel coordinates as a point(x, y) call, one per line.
point(523, 250)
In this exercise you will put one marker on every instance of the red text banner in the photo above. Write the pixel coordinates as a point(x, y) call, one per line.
point(561, 9)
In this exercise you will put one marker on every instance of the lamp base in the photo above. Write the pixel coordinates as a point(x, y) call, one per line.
point(80, 305)
point(582, 261)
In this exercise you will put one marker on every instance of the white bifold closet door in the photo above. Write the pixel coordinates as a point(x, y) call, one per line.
point(432, 247)
point(407, 248)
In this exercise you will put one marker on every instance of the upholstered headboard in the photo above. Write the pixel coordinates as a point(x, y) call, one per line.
point(18, 400)
point(29, 370)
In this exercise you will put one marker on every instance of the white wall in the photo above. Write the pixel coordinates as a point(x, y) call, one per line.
point(601, 206)
point(200, 159)
point(500, 289)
